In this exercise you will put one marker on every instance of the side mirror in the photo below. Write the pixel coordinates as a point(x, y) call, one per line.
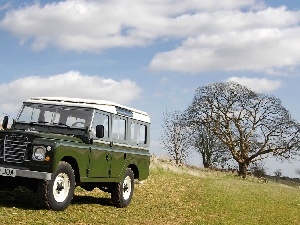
point(5, 122)
point(99, 131)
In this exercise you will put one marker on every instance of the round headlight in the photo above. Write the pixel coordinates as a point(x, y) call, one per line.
point(39, 153)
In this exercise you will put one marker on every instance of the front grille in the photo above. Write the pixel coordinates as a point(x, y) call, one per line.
point(15, 148)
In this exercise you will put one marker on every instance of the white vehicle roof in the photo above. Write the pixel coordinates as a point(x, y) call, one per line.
point(103, 105)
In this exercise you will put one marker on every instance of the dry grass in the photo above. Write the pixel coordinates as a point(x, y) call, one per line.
point(171, 195)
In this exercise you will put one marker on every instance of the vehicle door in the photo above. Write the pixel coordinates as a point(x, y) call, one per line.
point(119, 147)
point(99, 161)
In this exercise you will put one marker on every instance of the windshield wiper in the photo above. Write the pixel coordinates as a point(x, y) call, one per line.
point(36, 123)
point(62, 124)
point(42, 122)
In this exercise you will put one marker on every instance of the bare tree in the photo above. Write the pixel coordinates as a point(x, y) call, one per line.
point(175, 136)
point(251, 125)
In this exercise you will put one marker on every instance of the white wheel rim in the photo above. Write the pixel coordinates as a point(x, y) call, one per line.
point(127, 188)
point(61, 187)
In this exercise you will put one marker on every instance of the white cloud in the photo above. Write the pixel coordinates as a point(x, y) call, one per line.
point(70, 84)
point(256, 50)
point(260, 85)
point(90, 25)
point(215, 35)
point(267, 40)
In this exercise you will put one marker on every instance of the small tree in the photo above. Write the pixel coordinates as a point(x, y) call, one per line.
point(258, 169)
point(208, 146)
point(176, 136)
point(297, 171)
point(278, 173)
point(251, 125)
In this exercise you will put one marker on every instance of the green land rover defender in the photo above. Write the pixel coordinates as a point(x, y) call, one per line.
point(56, 144)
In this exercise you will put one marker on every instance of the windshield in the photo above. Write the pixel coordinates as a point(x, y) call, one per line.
point(74, 117)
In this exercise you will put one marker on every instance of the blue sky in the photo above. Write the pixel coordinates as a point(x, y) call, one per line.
point(149, 54)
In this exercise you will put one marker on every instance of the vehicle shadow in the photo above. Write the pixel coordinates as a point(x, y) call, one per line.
point(22, 198)
point(80, 200)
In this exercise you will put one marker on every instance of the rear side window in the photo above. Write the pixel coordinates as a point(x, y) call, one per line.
point(138, 133)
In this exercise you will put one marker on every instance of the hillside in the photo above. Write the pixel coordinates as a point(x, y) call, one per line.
point(171, 195)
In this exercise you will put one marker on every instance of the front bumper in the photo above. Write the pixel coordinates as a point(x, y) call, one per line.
point(5, 171)
point(34, 174)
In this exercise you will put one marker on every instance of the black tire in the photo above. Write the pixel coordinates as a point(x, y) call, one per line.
point(121, 193)
point(57, 193)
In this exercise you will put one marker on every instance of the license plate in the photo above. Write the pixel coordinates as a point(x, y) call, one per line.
point(8, 172)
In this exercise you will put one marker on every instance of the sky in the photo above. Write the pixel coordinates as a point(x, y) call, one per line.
point(149, 54)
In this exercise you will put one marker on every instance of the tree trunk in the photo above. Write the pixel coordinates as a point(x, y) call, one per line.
point(243, 169)
point(206, 164)
point(177, 157)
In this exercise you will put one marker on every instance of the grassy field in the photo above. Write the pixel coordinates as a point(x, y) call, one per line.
point(171, 195)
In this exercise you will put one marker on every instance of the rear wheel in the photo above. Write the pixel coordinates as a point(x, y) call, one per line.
point(122, 192)
point(57, 193)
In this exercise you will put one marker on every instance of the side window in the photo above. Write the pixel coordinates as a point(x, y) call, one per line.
point(138, 133)
point(134, 133)
point(142, 139)
point(101, 119)
point(119, 128)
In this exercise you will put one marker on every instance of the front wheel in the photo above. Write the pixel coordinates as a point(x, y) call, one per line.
point(57, 193)
point(122, 192)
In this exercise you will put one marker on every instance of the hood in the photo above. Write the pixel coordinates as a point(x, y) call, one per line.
point(41, 135)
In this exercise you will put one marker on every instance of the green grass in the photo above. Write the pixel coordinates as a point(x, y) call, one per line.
point(168, 197)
